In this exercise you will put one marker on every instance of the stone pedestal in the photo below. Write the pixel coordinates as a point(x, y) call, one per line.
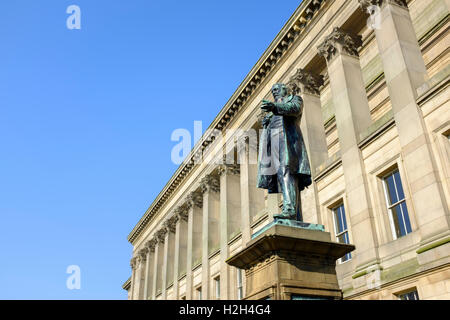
point(291, 262)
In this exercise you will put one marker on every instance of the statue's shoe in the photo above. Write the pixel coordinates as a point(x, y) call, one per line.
point(285, 216)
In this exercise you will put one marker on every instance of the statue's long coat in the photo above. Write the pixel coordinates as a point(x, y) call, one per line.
point(292, 151)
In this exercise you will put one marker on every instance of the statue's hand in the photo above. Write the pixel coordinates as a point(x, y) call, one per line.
point(267, 105)
point(266, 120)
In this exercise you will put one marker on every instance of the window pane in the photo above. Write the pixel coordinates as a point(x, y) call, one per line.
point(341, 227)
point(391, 189)
point(398, 183)
point(406, 217)
point(343, 238)
point(339, 215)
point(348, 256)
point(398, 221)
point(413, 295)
point(344, 219)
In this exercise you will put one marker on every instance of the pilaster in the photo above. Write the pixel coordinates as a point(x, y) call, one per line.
point(340, 50)
point(405, 73)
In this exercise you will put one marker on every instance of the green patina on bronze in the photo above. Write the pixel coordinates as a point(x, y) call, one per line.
point(289, 223)
point(283, 165)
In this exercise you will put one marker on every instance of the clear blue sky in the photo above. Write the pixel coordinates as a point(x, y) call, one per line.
point(86, 118)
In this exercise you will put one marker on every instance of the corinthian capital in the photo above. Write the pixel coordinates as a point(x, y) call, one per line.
point(142, 255)
point(194, 199)
point(229, 169)
point(171, 223)
point(210, 182)
point(340, 41)
point(183, 212)
point(151, 244)
point(161, 235)
point(364, 4)
point(133, 262)
point(307, 82)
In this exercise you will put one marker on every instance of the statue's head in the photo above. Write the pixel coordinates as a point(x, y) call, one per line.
point(279, 90)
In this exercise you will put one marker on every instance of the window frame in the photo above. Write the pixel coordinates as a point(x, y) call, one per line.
point(390, 206)
point(239, 285)
point(198, 291)
point(333, 209)
point(414, 291)
point(217, 287)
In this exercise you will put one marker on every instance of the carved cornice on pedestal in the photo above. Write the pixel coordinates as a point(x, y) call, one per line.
point(210, 183)
point(340, 41)
point(364, 4)
point(306, 81)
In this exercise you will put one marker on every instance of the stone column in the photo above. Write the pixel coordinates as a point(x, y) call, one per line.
point(230, 208)
point(307, 85)
point(273, 204)
point(179, 261)
point(133, 263)
point(311, 124)
point(141, 258)
point(159, 261)
point(210, 187)
point(155, 269)
point(146, 274)
point(148, 286)
point(165, 261)
point(193, 205)
point(405, 73)
point(172, 253)
point(252, 198)
point(352, 113)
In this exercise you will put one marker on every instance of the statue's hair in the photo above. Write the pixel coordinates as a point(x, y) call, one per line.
point(291, 87)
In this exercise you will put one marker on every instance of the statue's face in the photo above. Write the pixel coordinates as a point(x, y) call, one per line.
point(279, 91)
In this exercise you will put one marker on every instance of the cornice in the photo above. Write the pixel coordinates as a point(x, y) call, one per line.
point(127, 284)
point(295, 27)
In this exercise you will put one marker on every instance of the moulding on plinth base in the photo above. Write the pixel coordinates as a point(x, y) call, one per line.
point(291, 262)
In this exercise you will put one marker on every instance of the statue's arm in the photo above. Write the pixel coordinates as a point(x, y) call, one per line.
point(292, 108)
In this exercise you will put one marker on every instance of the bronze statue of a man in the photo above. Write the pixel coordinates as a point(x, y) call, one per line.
point(283, 164)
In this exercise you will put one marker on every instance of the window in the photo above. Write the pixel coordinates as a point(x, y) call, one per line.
point(341, 230)
point(411, 295)
point(395, 198)
point(240, 291)
point(217, 287)
point(199, 293)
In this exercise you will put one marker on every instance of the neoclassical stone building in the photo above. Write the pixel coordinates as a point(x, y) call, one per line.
point(376, 124)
